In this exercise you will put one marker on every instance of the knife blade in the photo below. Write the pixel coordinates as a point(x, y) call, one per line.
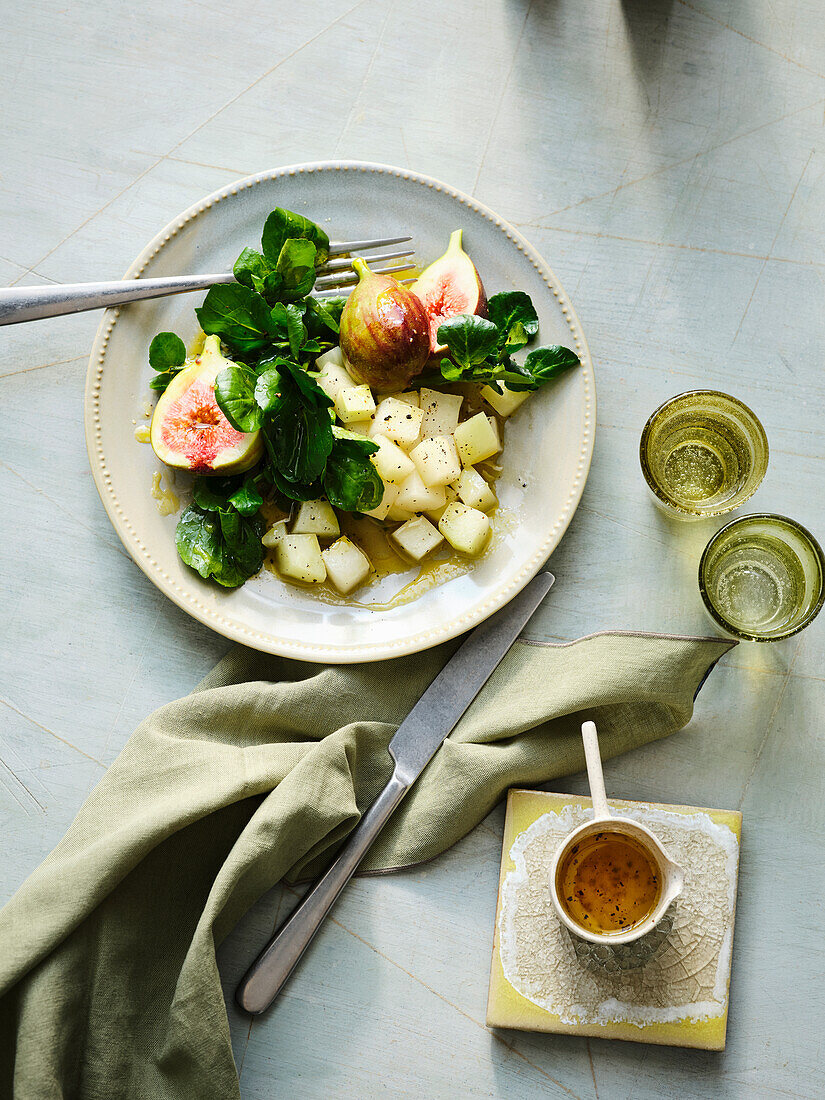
point(416, 741)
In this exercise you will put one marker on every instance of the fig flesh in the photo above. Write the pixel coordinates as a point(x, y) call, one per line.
point(384, 331)
point(189, 431)
point(448, 287)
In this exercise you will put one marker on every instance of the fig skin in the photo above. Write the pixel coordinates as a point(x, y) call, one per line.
point(450, 286)
point(384, 331)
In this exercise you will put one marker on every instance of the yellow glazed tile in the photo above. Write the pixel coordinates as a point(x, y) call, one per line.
point(507, 1007)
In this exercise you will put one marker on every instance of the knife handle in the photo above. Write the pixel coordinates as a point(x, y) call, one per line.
point(265, 978)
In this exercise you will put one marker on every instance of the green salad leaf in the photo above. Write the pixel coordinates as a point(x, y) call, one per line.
point(296, 267)
point(283, 225)
point(235, 395)
point(223, 545)
point(237, 314)
point(288, 319)
point(297, 427)
point(351, 481)
point(324, 315)
point(469, 339)
point(166, 351)
point(510, 308)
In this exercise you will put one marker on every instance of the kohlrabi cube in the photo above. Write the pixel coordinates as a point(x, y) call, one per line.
point(333, 376)
point(477, 439)
point(466, 529)
point(505, 403)
point(418, 497)
point(440, 412)
point(299, 557)
point(397, 514)
point(354, 403)
point(409, 398)
point(436, 460)
point(417, 537)
point(398, 421)
point(474, 490)
point(450, 495)
point(347, 566)
point(390, 461)
point(276, 532)
point(332, 357)
point(381, 511)
point(316, 517)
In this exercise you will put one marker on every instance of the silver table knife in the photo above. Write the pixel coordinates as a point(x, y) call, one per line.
point(415, 743)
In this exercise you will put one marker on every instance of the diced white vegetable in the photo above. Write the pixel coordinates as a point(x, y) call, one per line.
point(390, 461)
point(477, 439)
point(409, 398)
point(360, 427)
point(346, 565)
point(418, 497)
point(387, 501)
point(354, 403)
point(505, 403)
point(436, 460)
point(397, 514)
point(466, 529)
point(333, 356)
point(450, 495)
point(333, 377)
point(474, 490)
point(299, 557)
point(398, 421)
point(440, 412)
point(417, 537)
point(316, 517)
point(276, 531)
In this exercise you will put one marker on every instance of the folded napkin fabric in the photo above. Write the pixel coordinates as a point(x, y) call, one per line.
point(108, 980)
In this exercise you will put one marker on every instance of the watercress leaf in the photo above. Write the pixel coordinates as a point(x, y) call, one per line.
point(238, 315)
point(251, 268)
point(543, 364)
point(516, 339)
point(291, 490)
point(313, 347)
point(210, 493)
point(288, 318)
point(282, 226)
point(268, 389)
point(351, 482)
point(166, 351)
point(296, 266)
point(327, 311)
point(470, 339)
point(161, 381)
point(225, 546)
point(450, 371)
point(235, 395)
point(510, 308)
point(246, 499)
point(298, 429)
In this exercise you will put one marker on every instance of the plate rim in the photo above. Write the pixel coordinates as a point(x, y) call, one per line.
point(214, 618)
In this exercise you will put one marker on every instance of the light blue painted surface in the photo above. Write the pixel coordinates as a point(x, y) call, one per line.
point(667, 158)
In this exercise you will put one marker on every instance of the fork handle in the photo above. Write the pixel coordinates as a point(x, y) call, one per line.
point(263, 981)
point(33, 303)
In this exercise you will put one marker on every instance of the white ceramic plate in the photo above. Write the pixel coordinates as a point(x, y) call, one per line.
point(548, 443)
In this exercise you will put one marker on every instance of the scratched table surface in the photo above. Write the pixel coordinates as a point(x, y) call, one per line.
point(666, 156)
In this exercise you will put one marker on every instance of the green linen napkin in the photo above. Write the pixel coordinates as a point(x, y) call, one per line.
point(108, 980)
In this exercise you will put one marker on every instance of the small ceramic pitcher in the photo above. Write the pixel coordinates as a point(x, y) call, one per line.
point(671, 874)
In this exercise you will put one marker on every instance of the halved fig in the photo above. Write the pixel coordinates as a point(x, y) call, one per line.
point(448, 287)
point(190, 432)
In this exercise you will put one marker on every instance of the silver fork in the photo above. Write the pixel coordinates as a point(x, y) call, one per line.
point(33, 303)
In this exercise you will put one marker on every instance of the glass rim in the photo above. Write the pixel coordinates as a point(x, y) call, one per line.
point(812, 612)
point(647, 473)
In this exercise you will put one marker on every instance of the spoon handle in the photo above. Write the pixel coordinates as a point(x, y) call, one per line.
point(594, 771)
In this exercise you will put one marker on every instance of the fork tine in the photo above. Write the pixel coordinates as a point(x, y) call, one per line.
point(349, 278)
point(338, 248)
point(343, 265)
point(333, 292)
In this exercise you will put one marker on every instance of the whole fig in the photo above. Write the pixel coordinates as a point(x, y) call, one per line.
point(384, 331)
